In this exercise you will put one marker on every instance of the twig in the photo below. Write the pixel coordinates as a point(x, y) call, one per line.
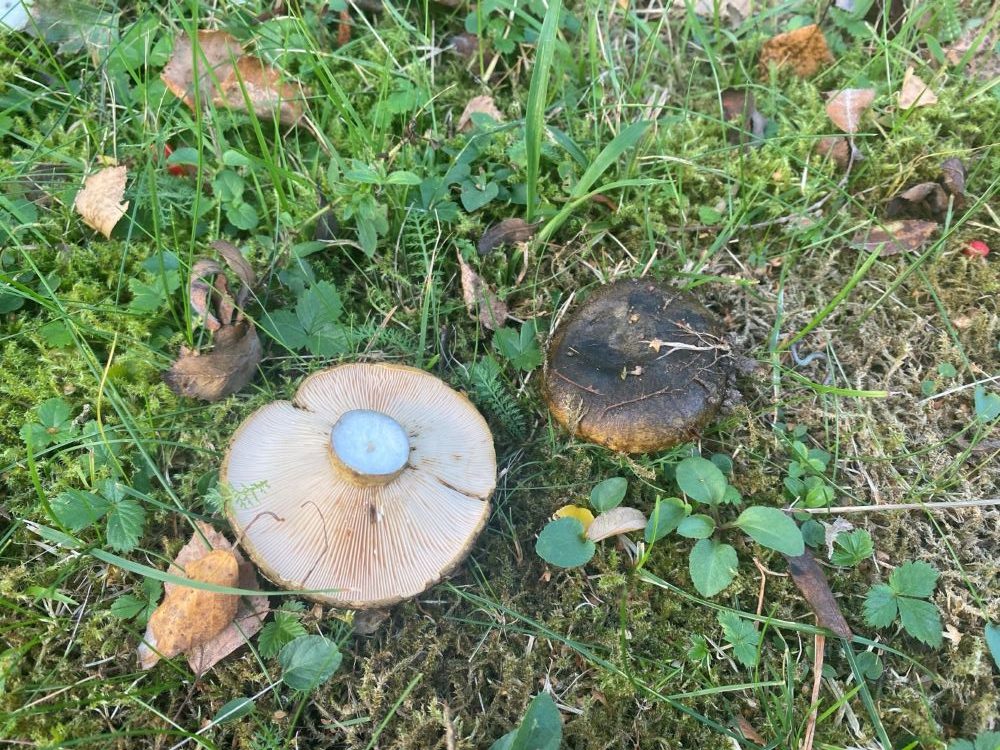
point(818, 650)
point(943, 505)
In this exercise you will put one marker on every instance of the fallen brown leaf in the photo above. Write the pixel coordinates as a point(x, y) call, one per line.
point(739, 109)
point(228, 78)
point(953, 179)
point(896, 237)
point(926, 200)
point(478, 105)
point(250, 612)
point(809, 577)
point(506, 232)
point(914, 92)
point(188, 616)
point(480, 300)
point(100, 201)
point(803, 50)
point(846, 108)
point(620, 520)
point(465, 45)
point(837, 148)
point(747, 730)
point(980, 55)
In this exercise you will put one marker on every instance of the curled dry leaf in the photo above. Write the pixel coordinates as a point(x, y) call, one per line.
point(620, 520)
point(914, 92)
point(100, 201)
point(953, 179)
point(926, 200)
point(896, 237)
point(188, 617)
point(506, 232)
point(236, 350)
point(803, 50)
point(478, 105)
point(479, 298)
point(846, 108)
point(228, 78)
point(739, 108)
point(977, 51)
point(250, 612)
point(809, 577)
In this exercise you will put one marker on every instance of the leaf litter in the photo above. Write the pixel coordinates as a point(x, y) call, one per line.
point(481, 301)
point(803, 51)
point(478, 105)
point(100, 202)
point(506, 232)
point(212, 68)
point(846, 108)
point(236, 350)
point(914, 92)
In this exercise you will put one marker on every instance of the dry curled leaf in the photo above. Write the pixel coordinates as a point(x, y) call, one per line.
point(480, 300)
point(506, 232)
point(226, 77)
point(100, 201)
point(926, 200)
point(620, 520)
point(846, 108)
point(803, 50)
point(896, 237)
point(914, 92)
point(809, 577)
point(188, 617)
point(739, 109)
point(478, 105)
point(953, 179)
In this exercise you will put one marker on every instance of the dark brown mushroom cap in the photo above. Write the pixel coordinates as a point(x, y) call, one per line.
point(638, 367)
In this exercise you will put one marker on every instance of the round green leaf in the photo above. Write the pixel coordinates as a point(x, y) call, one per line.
point(563, 544)
point(712, 566)
point(701, 480)
point(666, 515)
point(308, 661)
point(608, 494)
point(698, 526)
point(771, 528)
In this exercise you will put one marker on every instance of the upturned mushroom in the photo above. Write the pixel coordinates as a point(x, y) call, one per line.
point(638, 367)
point(371, 485)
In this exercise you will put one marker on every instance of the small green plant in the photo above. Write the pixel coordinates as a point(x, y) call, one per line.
point(282, 630)
point(566, 540)
point(519, 348)
point(904, 599)
point(313, 323)
point(805, 481)
point(852, 547)
point(129, 607)
point(52, 425)
point(308, 661)
point(124, 517)
point(541, 728)
point(742, 636)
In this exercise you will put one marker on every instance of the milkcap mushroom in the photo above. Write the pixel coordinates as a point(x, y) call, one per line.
point(638, 367)
point(372, 484)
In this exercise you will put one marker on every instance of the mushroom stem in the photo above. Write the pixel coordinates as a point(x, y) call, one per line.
point(368, 447)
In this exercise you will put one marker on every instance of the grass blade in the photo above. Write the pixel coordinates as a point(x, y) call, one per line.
point(534, 119)
point(609, 155)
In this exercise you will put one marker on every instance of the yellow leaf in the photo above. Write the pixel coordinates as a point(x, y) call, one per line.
point(582, 515)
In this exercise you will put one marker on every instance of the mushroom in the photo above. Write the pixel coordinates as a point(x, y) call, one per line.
point(371, 486)
point(638, 367)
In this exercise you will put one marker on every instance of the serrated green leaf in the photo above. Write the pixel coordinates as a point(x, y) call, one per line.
point(320, 305)
point(56, 334)
point(77, 509)
point(242, 216)
point(127, 606)
point(562, 543)
point(608, 494)
point(126, 519)
point(52, 413)
point(852, 547)
point(914, 579)
point(880, 606)
point(742, 635)
point(275, 635)
point(920, 619)
point(284, 327)
point(701, 480)
point(698, 526)
point(666, 515)
point(712, 566)
point(308, 661)
point(773, 529)
point(519, 348)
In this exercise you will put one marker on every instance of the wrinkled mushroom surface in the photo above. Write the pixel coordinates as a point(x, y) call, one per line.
point(638, 367)
point(371, 485)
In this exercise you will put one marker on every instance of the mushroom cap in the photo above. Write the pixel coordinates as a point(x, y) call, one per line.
point(638, 367)
point(309, 525)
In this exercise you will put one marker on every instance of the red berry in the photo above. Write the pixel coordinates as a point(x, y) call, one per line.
point(976, 249)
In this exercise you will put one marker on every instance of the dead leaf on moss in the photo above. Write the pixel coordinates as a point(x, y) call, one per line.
point(480, 300)
point(250, 612)
point(838, 149)
point(226, 77)
point(979, 55)
point(846, 108)
point(803, 50)
point(914, 92)
point(478, 105)
point(236, 349)
point(506, 232)
point(739, 109)
point(188, 617)
point(100, 202)
point(953, 179)
point(620, 520)
point(811, 581)
point(926, 200)
point(896, 237)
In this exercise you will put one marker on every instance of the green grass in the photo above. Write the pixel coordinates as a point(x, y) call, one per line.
point(598, 102)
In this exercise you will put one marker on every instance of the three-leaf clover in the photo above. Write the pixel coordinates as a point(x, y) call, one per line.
point(904, 598)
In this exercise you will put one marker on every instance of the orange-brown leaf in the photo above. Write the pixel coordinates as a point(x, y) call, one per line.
point(846, 108)
point(505, 232)
point(803, 50)
point(914, 92)
point(896, 237)
point(100, 201)
point(478, 105)
point(229, 367)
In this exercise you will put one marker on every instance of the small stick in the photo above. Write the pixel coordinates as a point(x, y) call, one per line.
point(818, 649)
point(943, 505)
